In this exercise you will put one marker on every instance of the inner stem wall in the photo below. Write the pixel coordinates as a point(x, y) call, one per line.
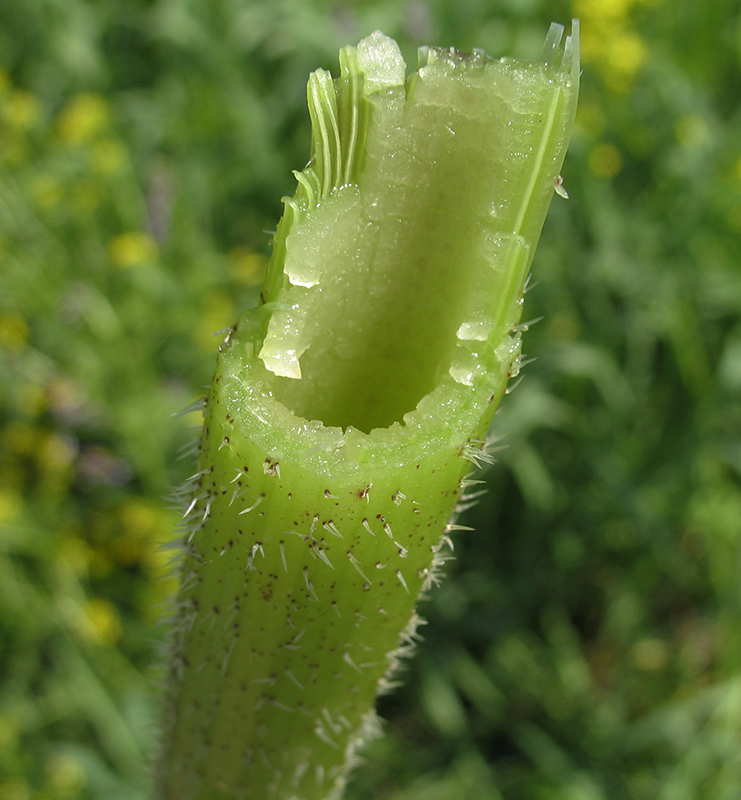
point(405, 254)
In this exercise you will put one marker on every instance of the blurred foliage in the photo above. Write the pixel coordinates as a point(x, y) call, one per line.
point(587, 645)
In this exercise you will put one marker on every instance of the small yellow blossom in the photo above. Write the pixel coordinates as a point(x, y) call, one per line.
point(156, 559)
point(145, 526)
point(155, 600)
point(131, 249)
point(139, 517)
point(245, 265)
point(56, 453)
point(609, 41)
point(613, 10)
point(83, 118)
point(77, 553)
point(65, 775)
point(100, 622)
point(11, 506)
point(217, 315)
point(625, 56)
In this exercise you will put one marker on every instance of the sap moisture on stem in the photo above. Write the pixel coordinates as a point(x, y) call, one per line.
point(397, 268)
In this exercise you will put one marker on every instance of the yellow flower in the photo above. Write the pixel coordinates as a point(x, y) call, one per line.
point(77, 553)
point(11, 505)
point(245, 265)
point(83, 118)
point(155, 601)
point(609, 42)
point(139, 517)
point(56, 453)
point(131, 249)
point(100, 622)
point(65, 775)
point(217, 315)
point(624, 58)
point(157, 559)
point(55, 456)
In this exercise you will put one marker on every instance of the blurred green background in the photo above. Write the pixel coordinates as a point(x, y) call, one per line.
point(587, 644)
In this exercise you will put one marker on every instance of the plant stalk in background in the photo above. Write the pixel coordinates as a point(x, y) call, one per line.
point(348, 410)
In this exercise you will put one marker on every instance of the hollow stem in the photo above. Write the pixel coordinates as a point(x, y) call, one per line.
point(347, 409)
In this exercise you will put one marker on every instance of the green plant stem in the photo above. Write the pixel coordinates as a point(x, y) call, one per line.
point(348, 409)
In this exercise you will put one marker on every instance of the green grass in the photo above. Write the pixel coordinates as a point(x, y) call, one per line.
point(586, 643)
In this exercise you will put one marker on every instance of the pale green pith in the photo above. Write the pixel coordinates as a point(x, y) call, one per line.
point(347, 409)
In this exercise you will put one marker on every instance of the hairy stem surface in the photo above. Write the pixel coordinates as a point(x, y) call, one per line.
point(348, 409)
